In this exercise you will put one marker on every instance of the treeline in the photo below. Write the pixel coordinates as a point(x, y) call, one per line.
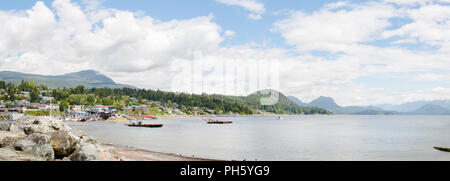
point(12, 91)
point(282, 106)
point(121, 97)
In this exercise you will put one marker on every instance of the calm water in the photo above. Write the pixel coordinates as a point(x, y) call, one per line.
point(294, 138)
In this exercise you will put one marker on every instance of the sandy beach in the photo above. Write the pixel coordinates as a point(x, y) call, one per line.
point(133, 154)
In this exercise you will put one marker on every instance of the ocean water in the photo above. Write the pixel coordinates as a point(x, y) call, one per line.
point(296, 138)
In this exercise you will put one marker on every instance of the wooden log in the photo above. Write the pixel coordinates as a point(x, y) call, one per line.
point(442, 149)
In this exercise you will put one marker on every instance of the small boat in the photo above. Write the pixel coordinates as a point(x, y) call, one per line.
point(138, 123)
point(442, 149)
point(150, 117)
point(280, 118)
point(146, 125)
point(215, 121)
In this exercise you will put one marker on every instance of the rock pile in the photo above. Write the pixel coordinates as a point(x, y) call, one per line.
point(51, 139)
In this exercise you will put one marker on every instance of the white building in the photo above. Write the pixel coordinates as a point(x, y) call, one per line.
point(15, 116)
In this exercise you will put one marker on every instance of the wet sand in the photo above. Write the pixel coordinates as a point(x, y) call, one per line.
point(133, 154)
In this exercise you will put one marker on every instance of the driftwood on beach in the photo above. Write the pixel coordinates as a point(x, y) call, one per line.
point(442, 149)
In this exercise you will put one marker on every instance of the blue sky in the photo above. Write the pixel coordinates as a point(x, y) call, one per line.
point(391, 51)
point(229, 17)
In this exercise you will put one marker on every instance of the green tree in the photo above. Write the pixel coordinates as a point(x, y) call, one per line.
point(79, 90)
point(119, 104)
point(2, 84)
point(63, 105)
point(77, 99)
point(90, 99)
point(34, 95)
point(107, 101)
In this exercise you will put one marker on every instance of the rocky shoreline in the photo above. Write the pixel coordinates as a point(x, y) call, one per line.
point(48, 139)
point(34, 138)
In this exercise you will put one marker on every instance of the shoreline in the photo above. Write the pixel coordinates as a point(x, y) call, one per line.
point(126, 153)
point(228, 115)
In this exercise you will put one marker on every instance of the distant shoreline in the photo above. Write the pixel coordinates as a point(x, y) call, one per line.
point(229, 115)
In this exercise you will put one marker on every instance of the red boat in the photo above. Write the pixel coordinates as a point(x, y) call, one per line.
point(150, 117)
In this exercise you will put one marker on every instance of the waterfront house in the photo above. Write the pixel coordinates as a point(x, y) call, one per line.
point(25, 95)
point(46, 99)
point(22, 103)
point(178, 111)
point(76, 107)
point(15, 116)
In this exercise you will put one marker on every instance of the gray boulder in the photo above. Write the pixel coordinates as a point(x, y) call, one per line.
point(44, 150)
point(9, 154)
point(42, 129)
point(17, 128)
point(85, 152)
point(37, 144)
point(63, 143)
point(43, 125)
point(5, 125)
point(25, 145)
point(7, 138)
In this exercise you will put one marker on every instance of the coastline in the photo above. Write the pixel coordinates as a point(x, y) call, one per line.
point(173, 116)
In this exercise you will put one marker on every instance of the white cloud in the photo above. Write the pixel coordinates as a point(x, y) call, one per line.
point(347, 34)
point(256, 8)
point(335, 30)
point(430, 77)
point(430, 25)
point(229, 33)
point(37, 40)
point(415, 2)
point(140, 50)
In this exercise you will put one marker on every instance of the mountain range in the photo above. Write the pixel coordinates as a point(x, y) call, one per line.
point(272, 101)
point(437, 107)
point(329, 104)
point(291, 104)
point(87, 78)
point(92, 78)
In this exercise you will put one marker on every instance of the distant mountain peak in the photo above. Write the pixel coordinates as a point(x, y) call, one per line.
point(325, 100)
point(91, 75)
point(297, 101)
point(432, 109)
point(89, 72)
point(87, 78)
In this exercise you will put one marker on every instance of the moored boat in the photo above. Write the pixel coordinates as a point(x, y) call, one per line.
point(215, 121)
point(138, 123)
point(150, 117)
point(146, 125)
point(220, 122)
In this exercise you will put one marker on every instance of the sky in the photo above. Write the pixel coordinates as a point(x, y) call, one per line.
point(358, 52)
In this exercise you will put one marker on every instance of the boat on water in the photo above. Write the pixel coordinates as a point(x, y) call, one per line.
point(442, 149)
point(215, 121)
point(280, 118)
point(146, 125)
point(138, 123)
